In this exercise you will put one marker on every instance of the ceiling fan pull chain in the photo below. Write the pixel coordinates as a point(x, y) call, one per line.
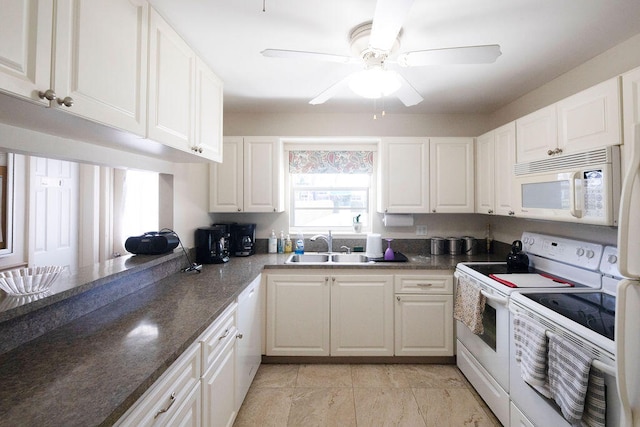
point(264, 5)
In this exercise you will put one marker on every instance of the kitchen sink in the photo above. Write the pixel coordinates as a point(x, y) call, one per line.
point(327, 259)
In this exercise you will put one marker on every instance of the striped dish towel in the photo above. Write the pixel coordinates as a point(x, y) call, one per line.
point(469, 305)
point(530, 342)
point(595, 405)
point(569, 368)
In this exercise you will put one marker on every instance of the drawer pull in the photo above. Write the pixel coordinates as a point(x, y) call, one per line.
point(424, 285)
point(172, 400)
point(223, 336)
point(239, 336)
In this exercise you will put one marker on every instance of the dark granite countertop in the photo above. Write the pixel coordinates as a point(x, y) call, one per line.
point(92, 369)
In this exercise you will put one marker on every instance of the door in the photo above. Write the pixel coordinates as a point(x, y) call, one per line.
point(297, 315)
point(249, 343)
point(505, 158)
point(362, 315)
point(485, 158)
point(26, 28)
point(208, 112)
point(53, 213)
point(218, 389)
point(451, 173)
point(263, 175)
point(226, 179)
point(537, 135)
point(424, 325)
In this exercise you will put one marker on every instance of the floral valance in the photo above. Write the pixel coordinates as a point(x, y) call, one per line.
point(319, 161)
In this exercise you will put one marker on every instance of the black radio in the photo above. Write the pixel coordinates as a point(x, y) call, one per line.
point(152, 243)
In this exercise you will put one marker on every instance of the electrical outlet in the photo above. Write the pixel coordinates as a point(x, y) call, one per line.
point(421, 230)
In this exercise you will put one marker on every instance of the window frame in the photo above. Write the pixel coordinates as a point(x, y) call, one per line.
point(342, 144)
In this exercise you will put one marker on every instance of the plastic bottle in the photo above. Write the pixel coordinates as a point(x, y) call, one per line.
point(488, 236)
point(300, 244)
point(281, 242)
point(273, 243)
point(288, 246)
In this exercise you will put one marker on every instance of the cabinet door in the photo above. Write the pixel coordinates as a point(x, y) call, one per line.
point(171, 86)
point(218, 389)
point(485, 185)
point(189, 414)
point(424, 325)
point(451, 173)
point(263, 175)
point(208, 140)
point(226, 179)
point(537, 135)
point(249, 343)
point(590, 119)
point(505, 158)
point(101, 61)
point(26, 28)
point(297, 315)
point(361, 315)
point(631, 113)
point(404, 175)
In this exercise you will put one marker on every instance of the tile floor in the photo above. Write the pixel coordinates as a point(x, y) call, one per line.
point(363, 395)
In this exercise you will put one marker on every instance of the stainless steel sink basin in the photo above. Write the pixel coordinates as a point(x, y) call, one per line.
point(327, 259)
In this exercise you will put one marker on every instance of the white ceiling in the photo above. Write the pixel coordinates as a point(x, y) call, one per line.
point(540, 40)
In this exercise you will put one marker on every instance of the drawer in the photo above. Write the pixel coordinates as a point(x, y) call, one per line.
point(168, 394)
point(216, 336)
point(424, 283)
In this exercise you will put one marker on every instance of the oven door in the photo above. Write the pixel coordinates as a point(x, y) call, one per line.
point(483, 358)
point(541, 411)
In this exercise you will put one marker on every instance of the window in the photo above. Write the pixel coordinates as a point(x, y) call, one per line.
point(140, 204)
point(329, 189)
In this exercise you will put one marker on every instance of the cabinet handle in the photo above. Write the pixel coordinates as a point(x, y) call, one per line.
point(512, 213)
point(398, 298)
point(558, 151)
point(424, 285)
point(433, 210)
point(67, 101)
point(199, 149)
point(550, 152)
point(226, 334)
point(239, 336)
point(172, 400)
point(48, 94)
point(490, 211)
point(239, 210)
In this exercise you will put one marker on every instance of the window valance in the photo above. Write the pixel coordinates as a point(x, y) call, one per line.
point(325, 161)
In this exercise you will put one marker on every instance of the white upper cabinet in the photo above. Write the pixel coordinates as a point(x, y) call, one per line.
point(404, 175)
point(505, 158)
point(485, 184)
point(172, 71)
point(451, 175)
point(208, 138)
point(250, 179)
point(26, 28)
point(590, 119)
point(537, 135)
point(84, 64)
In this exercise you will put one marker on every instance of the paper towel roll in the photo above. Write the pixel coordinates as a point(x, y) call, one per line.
point(398, 220)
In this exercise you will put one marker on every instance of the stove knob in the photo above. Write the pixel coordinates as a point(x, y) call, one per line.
point(612, 259)
point(580, 252)
point(590, 253)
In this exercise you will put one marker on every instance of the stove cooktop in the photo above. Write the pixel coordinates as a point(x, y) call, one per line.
point(593, 310)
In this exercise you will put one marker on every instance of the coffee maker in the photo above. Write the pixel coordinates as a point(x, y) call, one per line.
point(243, 239)
point(212, 245)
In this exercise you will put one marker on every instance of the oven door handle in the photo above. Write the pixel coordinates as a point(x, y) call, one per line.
point(493, 298)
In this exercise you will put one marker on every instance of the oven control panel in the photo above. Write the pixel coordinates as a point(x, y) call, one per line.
point(609, 263)
point(574, 252)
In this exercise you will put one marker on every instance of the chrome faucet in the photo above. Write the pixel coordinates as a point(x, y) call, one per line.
point(328, 238)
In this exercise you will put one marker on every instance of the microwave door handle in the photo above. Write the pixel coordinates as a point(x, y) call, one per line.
point(573, 195)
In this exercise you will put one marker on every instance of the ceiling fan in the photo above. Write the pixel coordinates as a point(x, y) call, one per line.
point(372, 44)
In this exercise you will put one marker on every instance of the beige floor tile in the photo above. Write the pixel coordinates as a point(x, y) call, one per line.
point(434, 376)
point(378, 376)
point(386, 407)
point(265, 407)
point(455, 407)
point(270, 376)
point(322, 407)
point(324, 376)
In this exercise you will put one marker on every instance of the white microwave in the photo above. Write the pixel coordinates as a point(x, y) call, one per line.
point(582, 187)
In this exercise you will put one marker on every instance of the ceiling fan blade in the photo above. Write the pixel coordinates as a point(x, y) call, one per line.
point(295, 54)
point(485, 54)
point(331, 91)
point(387, 22)
point(407, 94)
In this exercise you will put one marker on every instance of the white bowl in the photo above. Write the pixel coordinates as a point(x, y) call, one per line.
point(29, 281)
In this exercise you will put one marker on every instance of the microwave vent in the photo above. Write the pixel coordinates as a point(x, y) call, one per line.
point(569, 161)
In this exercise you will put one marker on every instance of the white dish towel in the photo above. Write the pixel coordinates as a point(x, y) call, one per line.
point(570, 385)
point(530, 341)
point(469, 305)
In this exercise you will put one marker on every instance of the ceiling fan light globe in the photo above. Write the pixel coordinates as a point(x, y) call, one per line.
point(374, 83)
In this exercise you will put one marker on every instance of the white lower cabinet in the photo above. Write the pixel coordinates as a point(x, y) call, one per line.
point(218, 387)
point(174, 399)
point(424, 315)
point(249, 341)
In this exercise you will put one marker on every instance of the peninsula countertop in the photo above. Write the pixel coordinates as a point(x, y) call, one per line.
point(91, 370)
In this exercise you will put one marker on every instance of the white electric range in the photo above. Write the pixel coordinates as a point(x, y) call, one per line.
point(555, 265)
